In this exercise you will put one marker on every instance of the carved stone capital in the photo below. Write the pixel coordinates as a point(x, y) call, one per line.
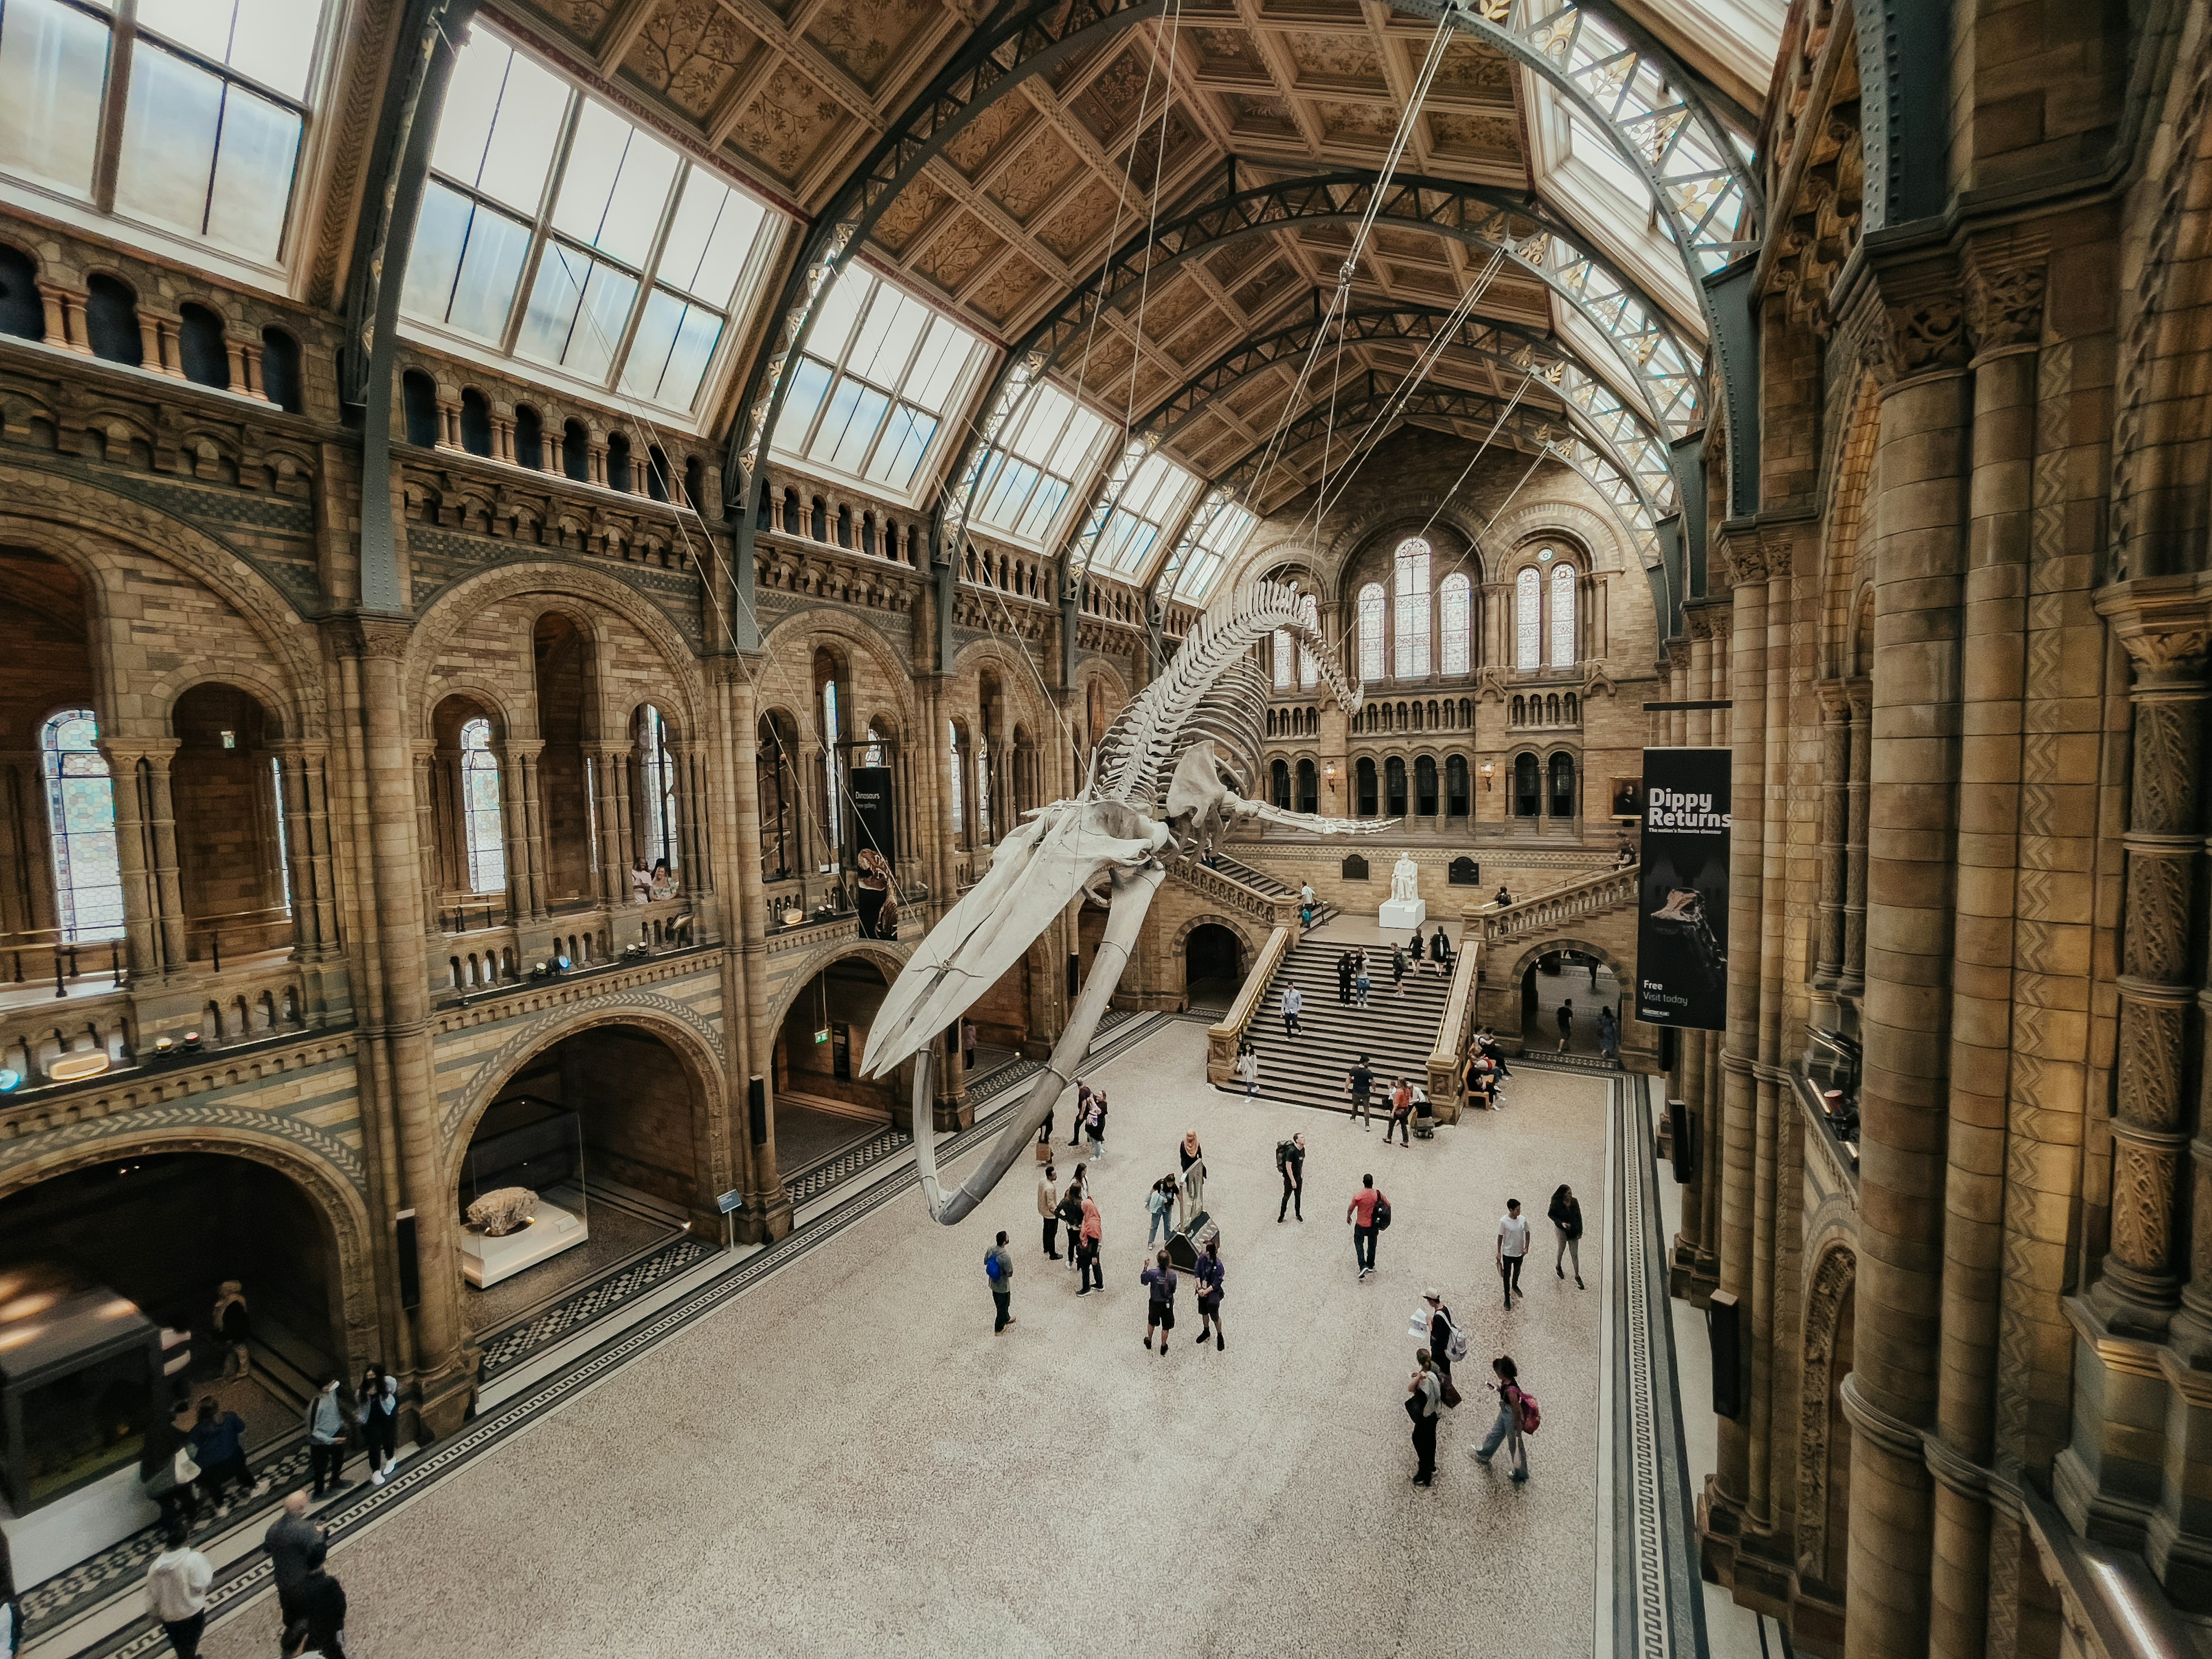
point(2004, 298)
point(2165, 623)
point(1745, 558)
point(1776, 549)
point(386, 637)
point(1835, 702)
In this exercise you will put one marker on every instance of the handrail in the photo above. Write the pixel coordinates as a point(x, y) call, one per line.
point(1225, 889)
point(1445, 1081)
point(1606, 892)
point(1222, 1038)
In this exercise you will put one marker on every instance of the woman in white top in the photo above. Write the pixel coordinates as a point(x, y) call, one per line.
point(177, 1592)
point(1248, 1071)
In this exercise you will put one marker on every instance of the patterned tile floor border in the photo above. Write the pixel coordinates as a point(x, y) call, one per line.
point(118, 1570)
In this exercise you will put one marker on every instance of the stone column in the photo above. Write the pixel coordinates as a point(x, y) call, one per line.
point(765, 1194)
point(514, 831)
point(1851, 980)
point(613, 888)
point(134, 853)
point(2139, 1286)
point(428, 765)
point(162, 825)
point(1919, 559)
point(65, 321)
point(530, 759)
point(1835, 822)
point(292, 793)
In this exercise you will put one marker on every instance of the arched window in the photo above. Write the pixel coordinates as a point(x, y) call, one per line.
point(952, 746)
point(1563, 616)
point(81, 810)
point(1282, 660)
point(1308, 788)
point(873, 753)
point(1278, 778)
point(1410, 574)
point(1456, 622)
point(832, 783)
point(1365, 775)
point(661, 839)
point(1394, 786)
point(982, 784)
point(480, 809)
point(1527, 784)
point(1527, 621)
point(1309, 664)
point(1563, 786)
point(1371, 633)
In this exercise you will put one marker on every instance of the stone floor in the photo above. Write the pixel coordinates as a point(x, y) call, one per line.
point(847, 1460)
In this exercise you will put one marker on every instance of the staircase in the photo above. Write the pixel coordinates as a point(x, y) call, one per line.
point(1237, 886)
point(1396, 1033)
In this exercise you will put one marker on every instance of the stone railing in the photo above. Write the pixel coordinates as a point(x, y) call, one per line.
point(1445, 1076)
point(1589, 896)
point(1226, 890)
point(1222, 1038)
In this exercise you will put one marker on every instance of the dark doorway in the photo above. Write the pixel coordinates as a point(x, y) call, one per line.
point(1212, 967)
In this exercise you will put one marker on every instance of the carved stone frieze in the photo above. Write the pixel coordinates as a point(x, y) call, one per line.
point(2004, 303)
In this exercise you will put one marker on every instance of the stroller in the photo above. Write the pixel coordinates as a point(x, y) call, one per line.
point(1425, 1120)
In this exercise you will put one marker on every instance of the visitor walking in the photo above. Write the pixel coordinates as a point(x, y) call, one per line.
point(1515, 1414)
point(1358, 1083)
point(1344, 979)
point(1362, 982)
point(177, 1592)
point(1082, 1114)
point(1398, 969)
point(1567, 1214)
point(1566, 1022)
point(1248, 1071)
point(379, 1422)
point(233, 1329)
point(1160, 1202)
point(1423, 1397)
point(1401, 1113)
point(1048, 1211)
point(1501, 898)
point(1294, 1001)
point(968, 1044)
point(326, 1419)
point(1193, 1158)
point(1368, 1212)
point(1512, 1246)
point(1210, 1276)
point(323, 1605)
point(166, 1468)
point(1070, 1214)
point(1093, 1233)
point(1306, 896)
point(1440, 951)
point(999, 1271)
point(1159, 1306)
point(1608, 1033)
point(1290, 1160)
point(1442, 1332)
point(1094, 1125)
point(290, 1540)
point(218, 1441)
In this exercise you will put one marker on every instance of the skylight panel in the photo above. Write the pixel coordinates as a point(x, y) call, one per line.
point(1028, 479)
point(1225, 537)
point(1153, 499)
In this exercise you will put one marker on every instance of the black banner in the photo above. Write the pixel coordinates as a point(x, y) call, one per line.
point(1681, 927)
point(873, 823)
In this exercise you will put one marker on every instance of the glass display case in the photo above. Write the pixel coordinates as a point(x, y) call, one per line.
point(79, 1366)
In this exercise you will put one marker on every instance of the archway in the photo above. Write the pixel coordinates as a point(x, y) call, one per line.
point(610, 1127)
point(1214, 967)
point(229, 827)
point(163, 1231)
point(822, 1103)
point(1580, 980)
point(562, 654)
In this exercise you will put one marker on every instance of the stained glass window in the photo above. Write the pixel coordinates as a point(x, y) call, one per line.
point(1527, 621)
point(283, 857)
point(953, 744)
point(80, 809)
point(1371, 633)
point(1412, 571)
point(873, 753)
point(983, 785)
point(1563, 616)
point(831, 783)
point(661, 840)
point(1455, 621)
point(1308, 666)
point(480, 809)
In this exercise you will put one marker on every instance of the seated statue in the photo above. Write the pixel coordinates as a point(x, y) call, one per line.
point(1405, 880)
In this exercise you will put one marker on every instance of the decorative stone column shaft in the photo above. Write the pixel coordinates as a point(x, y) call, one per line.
point(1851, 978)
point(1835, 827)
point(161, 822)
point(134, 853)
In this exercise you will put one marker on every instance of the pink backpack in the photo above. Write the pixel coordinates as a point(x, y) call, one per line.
point(1531, 1418)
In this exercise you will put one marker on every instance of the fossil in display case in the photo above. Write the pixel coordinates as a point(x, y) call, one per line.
point(504, 1211)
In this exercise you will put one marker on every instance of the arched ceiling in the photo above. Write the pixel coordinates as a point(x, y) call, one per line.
point(999, 160)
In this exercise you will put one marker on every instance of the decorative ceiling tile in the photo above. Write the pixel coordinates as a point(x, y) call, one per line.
point(1032, 182)
point(582, 21)
point(1008, 289)
point(1414, 280)
point(1109, 105)
point(1405, 244)
point(997, 124)
point(785, 123)
point(910, 210)
point(1203, 340)
point(1237, 259)
point(688, 51)
point(955, 254)
point(1168, 306)
point(1335, 60)
point(1172, 139)
point(1490, 137)
point(1367, 125)
point(864, 37)
point(1471, 70)
point(1257, 293)
point(1082, 222)
point(1261, 117)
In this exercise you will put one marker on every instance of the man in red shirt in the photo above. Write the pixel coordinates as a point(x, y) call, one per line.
point(1360, 1212)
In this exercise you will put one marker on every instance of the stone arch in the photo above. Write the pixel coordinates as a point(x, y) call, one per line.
point(881, 954)
point(1854, 473)
point(1623, 970)
point(504, 724)
point(245, 677)
point(1212, 919)
point(1832, 1281)
point(858, 643)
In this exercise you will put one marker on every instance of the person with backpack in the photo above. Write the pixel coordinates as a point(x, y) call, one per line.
point(1290, 1160)
point(1512, 1248)
point(1048, 1211)
point(1159, 1306)
point(999, 1271)
point(1517, 1417)
point(1567, 1214)
point(1344, 979)
point(1424, 1400)
point(1368, 1214)
point(1210, 1276)
point(1447, 1342)
point(1160, 1202)
point(1092, 1232)
point(1094, 1125)
point(1398, 968)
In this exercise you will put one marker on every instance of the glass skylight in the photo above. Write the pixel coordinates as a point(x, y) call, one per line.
point(874, 384)
point(1027, 480)
point(634, 258)
point(1223, 537)
point(210, 116)
point(1153, 499)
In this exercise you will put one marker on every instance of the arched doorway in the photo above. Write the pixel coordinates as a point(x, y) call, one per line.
point(1214, 967)
point(229, 827)
point(1527, 787)
point(1581, 983)
point(822, 1103)
point(609, 1127)
point(164, 1232)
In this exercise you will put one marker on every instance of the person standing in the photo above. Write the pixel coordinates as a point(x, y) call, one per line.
point(1159, 1305)
point(1159, 1204)
point(1502, 898)
point(218, 1443)
point(1358, 1083)
point(323, 1605)
point(999, 1269)
point(968, 1045)
point(1094, 1125)
point(233, 1329)
point(1608, 1033)
point(1344, 979)
point(1566, 1022)
point(1093, 1234)
point(379, 1422)
point(326, 1437)
point(1401, 1113)
point(1398, 969)
point(1248, 1071)
point(1360, 1213)
point(1440, 1332)
point(290, 1540)
point(1291, 1159)
point(1294, 1001)
point(1192, 1160)
point(1362, 981)
point(1508, 1426)
point(1070, 1211)
point(1440, 951)
point(1424, 1394)
point(1048, 1209)
point(1082, 1114)
point(177, 1591)
point(1567, 1214)
point(1512, 1246)
point(1210, 1276)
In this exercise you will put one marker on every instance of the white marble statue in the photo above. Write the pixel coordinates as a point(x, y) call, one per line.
point(1164, 785)
point(1405, 880)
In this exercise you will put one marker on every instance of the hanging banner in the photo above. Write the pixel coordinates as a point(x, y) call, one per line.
point(1681, 928)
